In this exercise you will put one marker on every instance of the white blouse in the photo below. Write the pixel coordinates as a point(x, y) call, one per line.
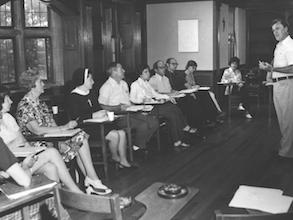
point(141, 89)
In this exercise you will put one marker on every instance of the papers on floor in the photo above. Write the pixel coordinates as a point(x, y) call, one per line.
point(67, 133)
point(260, 198)
point(14, 191)
point(24, 151)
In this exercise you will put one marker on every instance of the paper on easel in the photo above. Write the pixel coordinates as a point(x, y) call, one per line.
point(260, 198)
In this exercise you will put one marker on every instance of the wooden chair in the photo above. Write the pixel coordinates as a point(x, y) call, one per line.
point(259, 216)
point(82, 206)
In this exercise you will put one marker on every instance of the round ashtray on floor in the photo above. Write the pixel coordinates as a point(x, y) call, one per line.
point(172, 191)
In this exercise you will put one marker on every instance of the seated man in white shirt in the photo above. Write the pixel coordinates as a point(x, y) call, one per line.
point(142, 92)
point(114, 96)
point(189, 106)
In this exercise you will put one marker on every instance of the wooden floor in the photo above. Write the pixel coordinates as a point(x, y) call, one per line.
point(238, 152)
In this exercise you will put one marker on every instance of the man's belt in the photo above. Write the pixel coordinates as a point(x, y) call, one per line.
point(282, 78)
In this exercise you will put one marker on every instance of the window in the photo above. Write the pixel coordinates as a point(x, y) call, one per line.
point(25, 39)
point(7, 61)
point(36, 14)
point(37, 54)
point(5, 15)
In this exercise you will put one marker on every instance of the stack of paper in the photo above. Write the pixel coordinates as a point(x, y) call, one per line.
point(39, 183)
point(260, 198)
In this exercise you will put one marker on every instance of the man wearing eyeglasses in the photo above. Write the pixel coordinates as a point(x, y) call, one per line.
point(175, 78)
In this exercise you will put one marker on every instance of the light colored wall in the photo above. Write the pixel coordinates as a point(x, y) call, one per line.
point(162, 36)
point(240, 32)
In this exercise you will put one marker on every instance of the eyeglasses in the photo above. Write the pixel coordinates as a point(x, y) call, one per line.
point(175, 64)
point(161, 67)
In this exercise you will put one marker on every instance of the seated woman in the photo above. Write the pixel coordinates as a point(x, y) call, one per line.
point(233, 75)
point(34, 117)
point(141, 92)
point(48, 162)
point(207, 98)
point(84, 105)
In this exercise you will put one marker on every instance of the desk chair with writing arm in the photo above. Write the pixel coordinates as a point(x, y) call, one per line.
point(259, 216)
point(83, 206)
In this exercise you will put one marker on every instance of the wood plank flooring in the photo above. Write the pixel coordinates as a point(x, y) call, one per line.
point(240, 152)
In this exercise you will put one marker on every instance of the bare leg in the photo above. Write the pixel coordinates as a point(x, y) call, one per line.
point(113, 138)
point(51, 164)
point(122, 148)
point(86, 161)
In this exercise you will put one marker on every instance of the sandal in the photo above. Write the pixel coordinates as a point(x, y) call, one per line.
point(190, 129)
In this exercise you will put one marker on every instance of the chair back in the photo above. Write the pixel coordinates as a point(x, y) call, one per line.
point(259, 216)
point(108, 205)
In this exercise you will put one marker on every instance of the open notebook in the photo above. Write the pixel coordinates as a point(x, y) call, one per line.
point(39, 183)
point(260, 198)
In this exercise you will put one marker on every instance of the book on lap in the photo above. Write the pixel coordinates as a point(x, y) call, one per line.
point(67, 133)
point(14, 191)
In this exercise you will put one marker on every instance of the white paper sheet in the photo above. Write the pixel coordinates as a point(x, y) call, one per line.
point(260, 198)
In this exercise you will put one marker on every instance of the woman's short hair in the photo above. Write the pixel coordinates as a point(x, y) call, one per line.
point(28, 78)
point(190, 63)
point(155, 65)
point(141, 68)
point(79, 75)
point(234, 60)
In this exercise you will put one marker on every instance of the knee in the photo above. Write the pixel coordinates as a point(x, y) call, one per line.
point(50, 170)
point(112, 136)
point(122, 134)
point(52, 152)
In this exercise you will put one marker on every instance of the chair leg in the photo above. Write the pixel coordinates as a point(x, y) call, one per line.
point(158, 139)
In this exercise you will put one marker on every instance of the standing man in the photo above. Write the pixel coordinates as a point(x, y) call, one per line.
point(114, 96)
point(281, 74)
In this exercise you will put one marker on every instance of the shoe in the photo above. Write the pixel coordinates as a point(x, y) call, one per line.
point(248, 116)
point(125, 202)
point(190, 129)
point(94, 191)
point(132, 166)
point(185, 145)
point(96, 187)
point(135, 148)
point(240, 107)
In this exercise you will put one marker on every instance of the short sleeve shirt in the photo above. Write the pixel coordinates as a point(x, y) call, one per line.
point(283, 55)
point(7, 159)
point(113, 93)
point(8, 128)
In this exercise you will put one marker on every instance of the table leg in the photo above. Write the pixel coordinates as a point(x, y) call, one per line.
point(229, 106)
point(104, 151)
point(57, 202)
point(129, 136)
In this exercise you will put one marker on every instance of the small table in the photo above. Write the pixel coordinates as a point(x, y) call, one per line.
point(8, 206)
point(160, 208)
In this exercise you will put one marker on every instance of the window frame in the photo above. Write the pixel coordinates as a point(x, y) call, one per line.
point(18, 32)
